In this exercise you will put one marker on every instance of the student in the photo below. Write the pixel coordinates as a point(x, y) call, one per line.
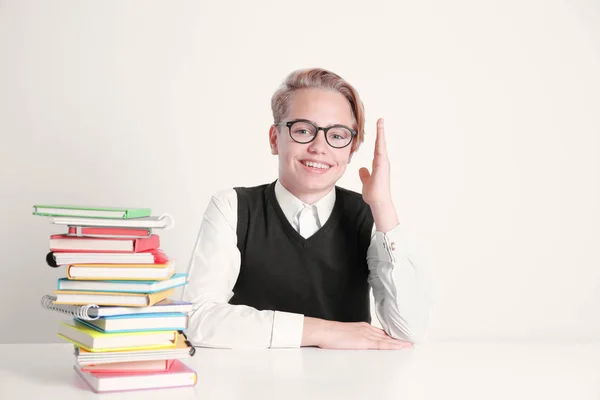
point(291, 263)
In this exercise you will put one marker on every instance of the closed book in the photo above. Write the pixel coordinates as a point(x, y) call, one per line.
point(95, 272)
point(57, 259)
point(54, 210)
point(182, 349)
point(165, 221)
point(110, 298)
point(132, 366)
point(93, 311)
point(179, 375)
point(129, 286)
point(92, 340)
point(102, 232)
point(68, 243)
point(138, 322)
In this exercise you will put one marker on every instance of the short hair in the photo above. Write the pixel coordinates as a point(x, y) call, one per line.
point(321, 79)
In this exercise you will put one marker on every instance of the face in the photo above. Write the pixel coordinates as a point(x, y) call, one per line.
point(324, 108)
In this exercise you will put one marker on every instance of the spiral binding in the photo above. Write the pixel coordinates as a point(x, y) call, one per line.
point(77, 311)
point(170, 221)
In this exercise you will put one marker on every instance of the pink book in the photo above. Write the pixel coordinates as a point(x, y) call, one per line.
point(178, 375)
point(91, 231)
point(73, 244)
point(133, 367)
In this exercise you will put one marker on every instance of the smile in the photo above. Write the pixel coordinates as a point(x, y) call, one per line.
point(316, 165)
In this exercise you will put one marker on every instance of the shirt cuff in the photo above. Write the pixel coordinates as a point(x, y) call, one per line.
point(287, 330)
point(389, 243)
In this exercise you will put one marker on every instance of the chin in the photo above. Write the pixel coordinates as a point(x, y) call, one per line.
point(317, 182)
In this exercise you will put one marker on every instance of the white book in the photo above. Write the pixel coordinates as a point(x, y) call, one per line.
point(164, 221)
point(140, 322)
point(102, 258)
point(94, 311)
point(183, 349)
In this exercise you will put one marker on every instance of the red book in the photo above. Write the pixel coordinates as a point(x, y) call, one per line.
point(59, 258)
point(66, 243)
point(91, 231)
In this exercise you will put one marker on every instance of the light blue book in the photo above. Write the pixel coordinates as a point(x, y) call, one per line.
point(129, 286)
point(138, 322)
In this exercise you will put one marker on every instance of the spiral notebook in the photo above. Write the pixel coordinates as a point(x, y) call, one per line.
point(93, 311)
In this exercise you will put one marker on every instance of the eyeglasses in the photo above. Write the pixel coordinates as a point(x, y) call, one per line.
point(305, 131)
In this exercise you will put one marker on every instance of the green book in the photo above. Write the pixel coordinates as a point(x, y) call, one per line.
point(90, 212)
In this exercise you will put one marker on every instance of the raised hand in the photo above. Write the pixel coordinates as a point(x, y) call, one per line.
point(376, 184)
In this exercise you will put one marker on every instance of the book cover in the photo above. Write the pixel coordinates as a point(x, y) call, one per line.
point(67, 243)
point(131, 366)
point(179, 375)
point(126, 286)
point(97, 272)
point(56, 210)
point(95, 341)
point(56, 259)
point(138, 322)
point(166, 305)
point(110, 298)
point(164, 221)
point(108, 232)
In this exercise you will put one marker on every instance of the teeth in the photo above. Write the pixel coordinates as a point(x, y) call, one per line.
point(316, 165)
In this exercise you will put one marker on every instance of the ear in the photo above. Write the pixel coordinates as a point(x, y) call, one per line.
point(273, 139)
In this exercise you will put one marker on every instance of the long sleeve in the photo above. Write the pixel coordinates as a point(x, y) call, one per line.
point(400, 286)
point(213, 271)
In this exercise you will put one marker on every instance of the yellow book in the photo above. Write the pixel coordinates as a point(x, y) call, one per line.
point(95, 341)
point(121, 299)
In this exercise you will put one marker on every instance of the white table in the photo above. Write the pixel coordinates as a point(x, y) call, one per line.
point(428, 371)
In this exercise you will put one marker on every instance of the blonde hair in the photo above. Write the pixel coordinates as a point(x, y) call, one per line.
point(321, 79)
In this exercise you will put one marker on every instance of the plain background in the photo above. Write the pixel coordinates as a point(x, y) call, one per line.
point(492, 122)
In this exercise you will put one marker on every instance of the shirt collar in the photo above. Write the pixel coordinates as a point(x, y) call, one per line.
point(290, 204)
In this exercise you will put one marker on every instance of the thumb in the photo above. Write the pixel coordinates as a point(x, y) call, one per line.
point(364, 175)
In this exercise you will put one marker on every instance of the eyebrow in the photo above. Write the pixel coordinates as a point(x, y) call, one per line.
point(326, 126)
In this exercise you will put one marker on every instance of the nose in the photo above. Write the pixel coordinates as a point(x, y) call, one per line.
point(319, 144)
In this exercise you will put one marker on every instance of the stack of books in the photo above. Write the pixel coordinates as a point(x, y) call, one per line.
point(126, 329)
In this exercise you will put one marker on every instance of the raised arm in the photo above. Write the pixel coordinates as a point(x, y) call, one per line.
point(399, 282)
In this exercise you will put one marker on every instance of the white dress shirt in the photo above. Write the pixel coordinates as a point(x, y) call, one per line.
point(398, 282)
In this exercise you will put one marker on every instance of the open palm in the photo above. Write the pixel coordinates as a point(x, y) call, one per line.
point(376, 184)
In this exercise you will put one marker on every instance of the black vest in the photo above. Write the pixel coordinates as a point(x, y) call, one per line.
point(324, 276)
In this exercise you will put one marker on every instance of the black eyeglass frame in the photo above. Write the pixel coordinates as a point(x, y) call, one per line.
point(318, 128)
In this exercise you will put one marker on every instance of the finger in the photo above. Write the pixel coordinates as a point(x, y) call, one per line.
point(380, 144)
point(398, 342)
point(392, 345)
point(364, 175)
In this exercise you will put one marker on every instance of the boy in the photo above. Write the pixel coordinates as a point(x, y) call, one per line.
point(291, 263)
